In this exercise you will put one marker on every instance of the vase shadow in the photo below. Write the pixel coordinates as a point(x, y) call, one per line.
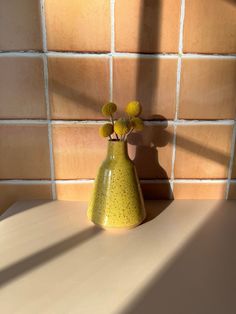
point(143, 150)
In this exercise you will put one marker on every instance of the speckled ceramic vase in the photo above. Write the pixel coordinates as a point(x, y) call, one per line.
point(117, 200)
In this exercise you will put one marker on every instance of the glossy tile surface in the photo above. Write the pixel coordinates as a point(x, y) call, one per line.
point(20, 25)
point(74, 191)
point(209, 26)
point(78, 151)
point(78, 87)
point(22, 88)
point(24, 152)
point(207, 89)
point(203, 151)
point(196, 191)
point(147, 26)
point(232, 191)
point(74, 25)
point(152, 81)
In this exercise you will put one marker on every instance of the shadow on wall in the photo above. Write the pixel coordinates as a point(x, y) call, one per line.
point(200, 278)
point(78, 97)
point(231, 1)
point(146, 150)
point(146, 144)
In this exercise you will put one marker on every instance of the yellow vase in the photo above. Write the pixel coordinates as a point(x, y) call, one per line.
point(117, 200)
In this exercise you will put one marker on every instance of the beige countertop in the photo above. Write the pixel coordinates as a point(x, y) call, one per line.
point(181, 261)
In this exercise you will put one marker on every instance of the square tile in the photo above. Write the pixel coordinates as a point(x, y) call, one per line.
point(22, 88)
point(209, 26)
point(147, 26)
point(203, 151)
point(74, 191)
point(20, 25)
point(24, 152)
point(156, 191)
point(232, 191)
point(78, 25)
point(198, 191)
point(78, 87)
point(11, 193)
point(208, 89)
point(152, 81)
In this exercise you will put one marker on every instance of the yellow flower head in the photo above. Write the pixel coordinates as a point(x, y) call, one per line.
point(106, 130)
point(122, 126)
point(133, 109)
point(137, 124)
point(108, 109)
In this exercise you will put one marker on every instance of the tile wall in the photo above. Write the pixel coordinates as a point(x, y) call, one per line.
point(61, 59)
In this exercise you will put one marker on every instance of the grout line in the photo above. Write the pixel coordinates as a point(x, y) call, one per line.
point(28, 54)
point(23, 121)
point(206, 56)
point(230, 168)
point(94, 122)
point(200, 180)
point(81, 181)
point(81, 122)
point(145, 55)
point(80, 54)
point(24, 181)
point(45, 63)
point(203, 122)
point(77, 54)
point(178, 78)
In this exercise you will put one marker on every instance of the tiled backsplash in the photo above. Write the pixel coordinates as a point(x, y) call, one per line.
point(60, 60)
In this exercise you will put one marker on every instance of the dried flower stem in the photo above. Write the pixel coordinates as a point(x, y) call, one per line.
point(130, 131)
point(112, 121)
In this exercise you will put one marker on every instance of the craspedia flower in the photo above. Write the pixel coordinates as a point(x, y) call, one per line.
point(106, 130)
point(122, 126)
point(133, 109)
point(137, 124)
point(108, 109)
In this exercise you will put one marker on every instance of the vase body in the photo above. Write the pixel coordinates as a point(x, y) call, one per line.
point(117, 200)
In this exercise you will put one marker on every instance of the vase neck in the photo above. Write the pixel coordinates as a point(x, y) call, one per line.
point(117, 150)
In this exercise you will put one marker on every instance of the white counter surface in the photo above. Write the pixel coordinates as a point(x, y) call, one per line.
point(181, 261)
